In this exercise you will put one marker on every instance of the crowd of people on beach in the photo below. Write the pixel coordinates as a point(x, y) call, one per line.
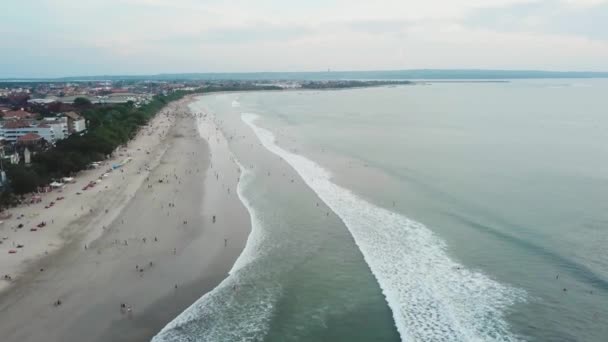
point(22, 220)
point(151, 184)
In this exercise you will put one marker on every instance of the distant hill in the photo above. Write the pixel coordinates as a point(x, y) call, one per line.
point(431, 74)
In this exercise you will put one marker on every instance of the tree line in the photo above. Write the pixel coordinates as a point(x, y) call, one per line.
point(108, 126)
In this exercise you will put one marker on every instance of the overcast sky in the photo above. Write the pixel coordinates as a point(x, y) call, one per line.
point(44, 38)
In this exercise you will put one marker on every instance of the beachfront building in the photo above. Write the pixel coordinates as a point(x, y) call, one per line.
point(60, 126)
point(75, 122)
point(13, 130)
point(50, 129)
point(45, 131)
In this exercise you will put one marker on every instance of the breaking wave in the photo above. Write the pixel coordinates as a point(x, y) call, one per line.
point(432, 297)
point(236, 310)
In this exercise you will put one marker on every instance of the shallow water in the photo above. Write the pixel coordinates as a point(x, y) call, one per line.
point(438, 212)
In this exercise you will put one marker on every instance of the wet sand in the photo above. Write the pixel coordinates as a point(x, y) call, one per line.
point(184, 254)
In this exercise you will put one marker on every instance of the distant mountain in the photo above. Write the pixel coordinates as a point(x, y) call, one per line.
point(431, 74)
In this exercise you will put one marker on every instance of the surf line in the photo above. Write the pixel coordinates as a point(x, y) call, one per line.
point(431, 296)
point(202, 307)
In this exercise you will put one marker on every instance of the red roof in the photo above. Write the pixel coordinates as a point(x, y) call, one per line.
point(29, 137)
point(17, 114)
point(16, 124)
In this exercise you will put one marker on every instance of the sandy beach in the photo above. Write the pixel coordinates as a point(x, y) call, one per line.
point(145, 236)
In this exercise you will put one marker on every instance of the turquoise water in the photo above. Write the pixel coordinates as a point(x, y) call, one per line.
point(431, 212)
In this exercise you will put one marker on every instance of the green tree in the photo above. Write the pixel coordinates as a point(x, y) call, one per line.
point(82, 102)
point(23, 179)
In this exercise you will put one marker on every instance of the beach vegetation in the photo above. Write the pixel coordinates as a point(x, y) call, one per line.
point(109, 126)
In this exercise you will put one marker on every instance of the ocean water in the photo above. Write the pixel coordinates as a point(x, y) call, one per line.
point(436, 212)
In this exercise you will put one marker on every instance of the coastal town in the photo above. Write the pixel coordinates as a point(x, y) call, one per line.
point(35, 116)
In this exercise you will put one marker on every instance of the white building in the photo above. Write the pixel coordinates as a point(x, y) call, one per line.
point(46, 132)
point(79, 125)
point(76, 123)
point(50, 129)
point(12, 130)
point(59, 126)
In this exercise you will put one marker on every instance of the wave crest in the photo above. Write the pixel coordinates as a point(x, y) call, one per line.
point(432, 297)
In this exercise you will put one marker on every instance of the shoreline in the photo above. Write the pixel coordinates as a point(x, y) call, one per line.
point(76, 216)
point(148, 321)
point(186, 254)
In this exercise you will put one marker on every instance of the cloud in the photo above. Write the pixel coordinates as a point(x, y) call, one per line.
point(584, 18)
point(584, 3)
point(142, 36)
point(238, 35)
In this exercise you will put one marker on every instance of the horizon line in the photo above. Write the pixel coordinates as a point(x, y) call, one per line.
point(513, 72)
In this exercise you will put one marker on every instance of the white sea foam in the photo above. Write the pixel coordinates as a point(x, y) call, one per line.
point(255, 237)
point(216, 316)
point(432, 297)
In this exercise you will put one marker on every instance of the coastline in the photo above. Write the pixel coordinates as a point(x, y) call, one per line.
point(102, 230)
point(185, 253)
